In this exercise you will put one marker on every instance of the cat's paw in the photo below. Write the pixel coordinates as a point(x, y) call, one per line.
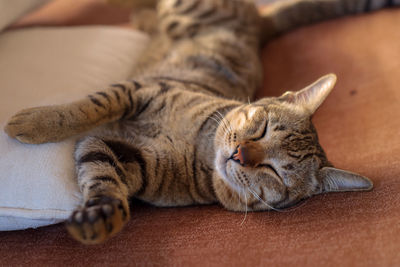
point(98, 220)
point(35, 125)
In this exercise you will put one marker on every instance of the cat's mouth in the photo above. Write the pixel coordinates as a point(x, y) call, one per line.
point(222, 162)
point(234, 156)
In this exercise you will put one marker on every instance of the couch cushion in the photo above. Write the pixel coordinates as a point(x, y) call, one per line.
point(42, 67)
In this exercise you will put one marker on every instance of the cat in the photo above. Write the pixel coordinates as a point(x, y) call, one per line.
point(183, 131)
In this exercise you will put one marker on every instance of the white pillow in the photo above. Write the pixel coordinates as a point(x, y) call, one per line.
point(45, 66)
point(11, 10)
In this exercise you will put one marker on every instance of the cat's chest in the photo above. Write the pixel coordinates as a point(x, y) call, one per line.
point(178, 117)
point(178, 130)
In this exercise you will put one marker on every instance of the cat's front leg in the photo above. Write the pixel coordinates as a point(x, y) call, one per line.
point(31, 125)
point(109, 172)
point(58, 122)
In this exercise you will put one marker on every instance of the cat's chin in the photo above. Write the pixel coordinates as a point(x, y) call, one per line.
point(227, 194)
point(220, 164)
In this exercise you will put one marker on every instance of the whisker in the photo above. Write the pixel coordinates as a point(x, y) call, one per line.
point(222, 123)
point(262, 201)
point(219, 121)
point(245, 214)
point(303, 202)
point(229, 125)
point(277, 209)
point(225, 121)
point(225, 130)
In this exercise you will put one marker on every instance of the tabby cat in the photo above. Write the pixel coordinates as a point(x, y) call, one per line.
point(183, 131)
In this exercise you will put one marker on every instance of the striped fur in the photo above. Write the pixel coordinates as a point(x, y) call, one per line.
point(181, 131)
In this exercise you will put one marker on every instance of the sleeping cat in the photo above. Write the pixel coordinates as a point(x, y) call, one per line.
point(183, 131)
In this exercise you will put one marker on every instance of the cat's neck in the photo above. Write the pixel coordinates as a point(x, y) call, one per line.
point(204, 154)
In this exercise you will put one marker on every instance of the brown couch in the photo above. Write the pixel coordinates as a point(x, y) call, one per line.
point(359, 126)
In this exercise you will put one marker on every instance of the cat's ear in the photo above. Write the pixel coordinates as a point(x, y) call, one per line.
point(311, 97)
point(336, 180)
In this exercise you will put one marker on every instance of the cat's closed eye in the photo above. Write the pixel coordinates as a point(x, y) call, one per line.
point(264, 132)
point(269, 167)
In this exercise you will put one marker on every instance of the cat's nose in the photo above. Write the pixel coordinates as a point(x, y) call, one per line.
point(238, 155)
point(248, 154)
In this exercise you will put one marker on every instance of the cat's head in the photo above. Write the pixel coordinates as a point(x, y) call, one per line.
point(268, 155)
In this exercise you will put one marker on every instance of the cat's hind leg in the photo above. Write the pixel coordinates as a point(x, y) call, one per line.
point(106, 187)
point(284, 15)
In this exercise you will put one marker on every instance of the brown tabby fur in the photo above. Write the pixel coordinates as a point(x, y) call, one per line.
point(182, 133)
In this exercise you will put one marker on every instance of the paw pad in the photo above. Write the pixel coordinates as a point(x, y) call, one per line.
point(99, 219)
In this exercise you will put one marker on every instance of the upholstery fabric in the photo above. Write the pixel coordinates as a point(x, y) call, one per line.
point(359, 128)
